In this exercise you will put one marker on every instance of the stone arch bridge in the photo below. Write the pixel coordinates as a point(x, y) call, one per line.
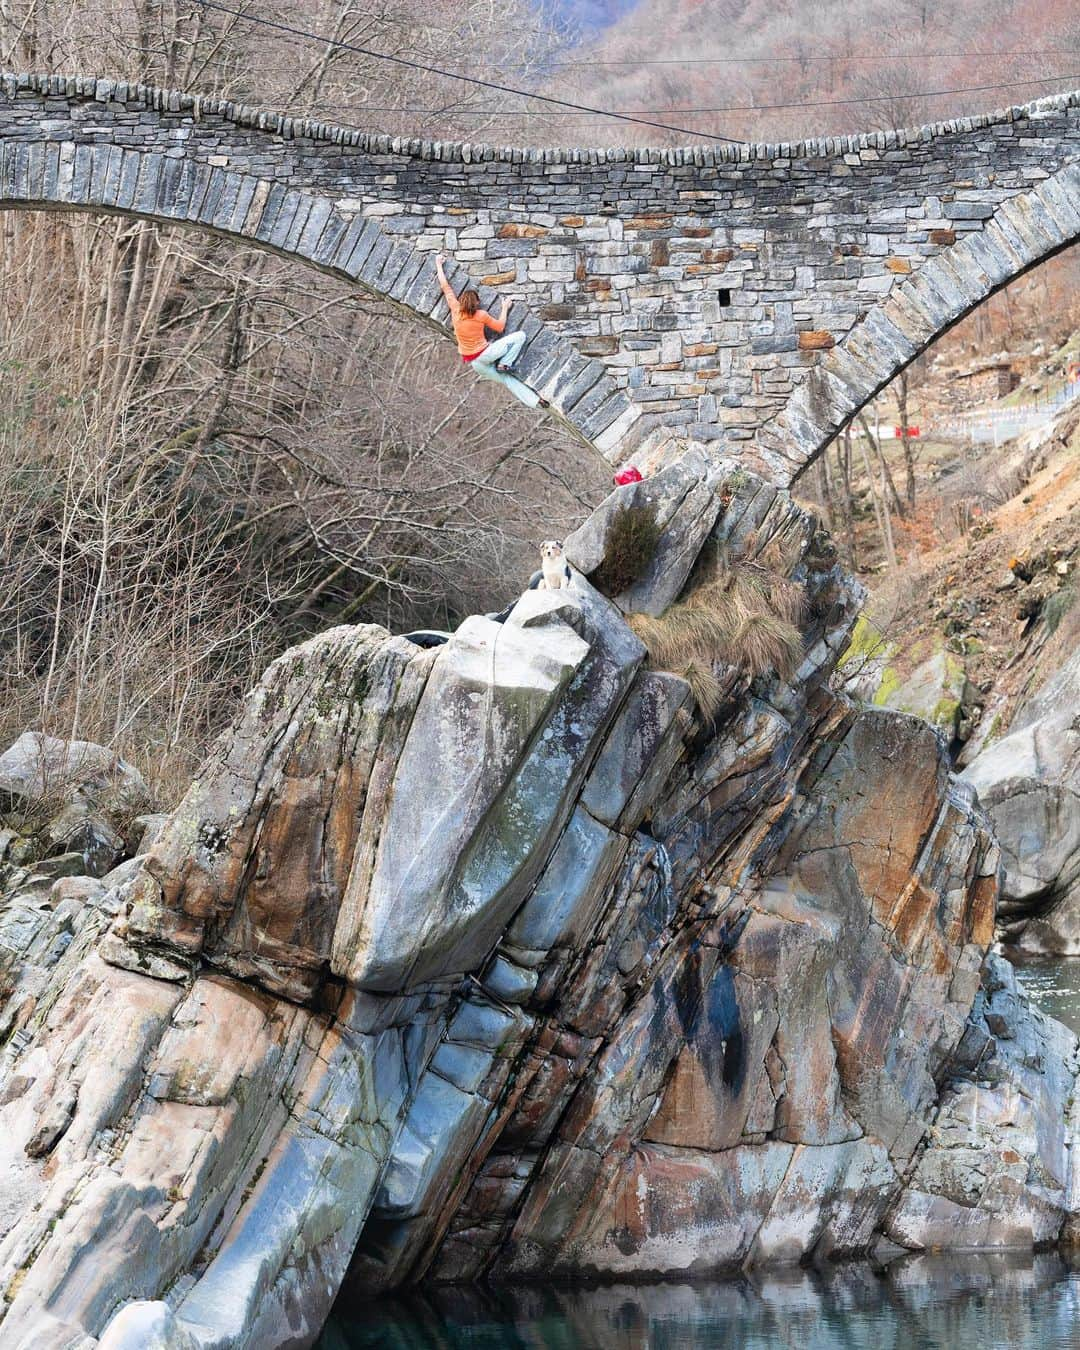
point(756, 294)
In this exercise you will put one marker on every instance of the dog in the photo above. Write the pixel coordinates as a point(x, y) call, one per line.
point(555, 568)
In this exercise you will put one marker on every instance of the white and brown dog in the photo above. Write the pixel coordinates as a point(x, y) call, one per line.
point(555, 568)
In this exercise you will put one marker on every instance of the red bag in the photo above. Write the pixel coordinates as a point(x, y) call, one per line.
point(630, 475)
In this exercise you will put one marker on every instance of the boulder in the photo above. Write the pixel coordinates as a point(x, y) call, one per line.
point(40, 768)
point(1029, 782)
point(74, 797)
point(934, 688)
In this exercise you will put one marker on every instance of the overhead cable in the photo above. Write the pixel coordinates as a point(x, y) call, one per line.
point(452, 74)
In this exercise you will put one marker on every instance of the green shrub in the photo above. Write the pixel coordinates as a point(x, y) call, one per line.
point(629, 547)
point(1057, 606)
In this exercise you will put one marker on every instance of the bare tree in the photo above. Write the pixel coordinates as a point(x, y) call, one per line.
point(215, 454)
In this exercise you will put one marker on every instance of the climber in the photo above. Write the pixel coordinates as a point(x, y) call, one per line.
point(490, 360)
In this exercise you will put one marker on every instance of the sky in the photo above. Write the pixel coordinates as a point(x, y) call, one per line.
point(590, 15)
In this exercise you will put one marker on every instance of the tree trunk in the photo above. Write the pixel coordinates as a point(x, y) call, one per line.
point(875, 441)
point(905, 439)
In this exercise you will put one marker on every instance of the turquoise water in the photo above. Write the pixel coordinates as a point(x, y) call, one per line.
point(1002, 1302)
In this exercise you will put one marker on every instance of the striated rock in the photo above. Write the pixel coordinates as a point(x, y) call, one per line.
point(250, 871)
point(486, 959)
point(999, 1169)
point(1029, 782)
point(511, 714)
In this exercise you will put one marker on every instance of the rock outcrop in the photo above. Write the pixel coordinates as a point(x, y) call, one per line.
point(924, 679)
point(492, 958)
point(1029, 782)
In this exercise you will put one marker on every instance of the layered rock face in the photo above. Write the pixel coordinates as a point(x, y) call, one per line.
point(494, 959)
point(1029, 782)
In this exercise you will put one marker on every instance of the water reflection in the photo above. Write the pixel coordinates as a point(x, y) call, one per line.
point(1054, 985)
point(1022, 1301)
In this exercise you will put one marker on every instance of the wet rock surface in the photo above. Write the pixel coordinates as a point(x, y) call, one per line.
point(494, 959)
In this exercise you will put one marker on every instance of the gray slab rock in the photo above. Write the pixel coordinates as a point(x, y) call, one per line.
point(1000, 1168)
point(500, 742)
point(1029, 782)
point(39, 767)
point(684, 492)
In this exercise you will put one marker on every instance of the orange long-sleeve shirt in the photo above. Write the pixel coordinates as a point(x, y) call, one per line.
point(469, 329)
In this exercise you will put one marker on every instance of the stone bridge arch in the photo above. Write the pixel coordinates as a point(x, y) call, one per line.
point(750, 295)
point(1023, 232)
point(151, 177)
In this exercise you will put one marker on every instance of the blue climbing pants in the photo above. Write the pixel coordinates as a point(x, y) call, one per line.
point(505, 351)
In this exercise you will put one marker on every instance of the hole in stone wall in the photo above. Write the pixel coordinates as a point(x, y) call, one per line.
point(724, 296)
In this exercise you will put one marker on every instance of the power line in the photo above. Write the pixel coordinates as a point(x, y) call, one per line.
point(800, 60)
point(724, 108)
point(454, 75)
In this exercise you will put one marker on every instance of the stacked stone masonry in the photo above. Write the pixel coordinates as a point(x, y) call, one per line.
point(756, 294)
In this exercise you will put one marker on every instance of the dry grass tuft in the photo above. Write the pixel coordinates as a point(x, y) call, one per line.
point(745, 616)
point(706, 688)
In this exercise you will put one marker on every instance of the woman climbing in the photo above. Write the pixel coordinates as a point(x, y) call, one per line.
point(490, 360)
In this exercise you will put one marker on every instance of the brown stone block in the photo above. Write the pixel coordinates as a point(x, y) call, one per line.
point(557, 311)
point(598, 287)
point(701, 349)
point(718, 255)
point(695, 232)
point(943, 237)
point(498, 279)
point(659, 253)
point(511, 231)
point(648, 223)
point(898, 265)
point(703, 269)
point(572, 222)
point(816, 340)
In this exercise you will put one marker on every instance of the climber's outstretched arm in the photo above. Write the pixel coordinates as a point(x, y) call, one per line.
point(447, 289)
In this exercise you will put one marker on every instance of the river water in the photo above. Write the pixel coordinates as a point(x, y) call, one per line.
point(1008, 1301)
point(1054, 985)
point(1002, 1302)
